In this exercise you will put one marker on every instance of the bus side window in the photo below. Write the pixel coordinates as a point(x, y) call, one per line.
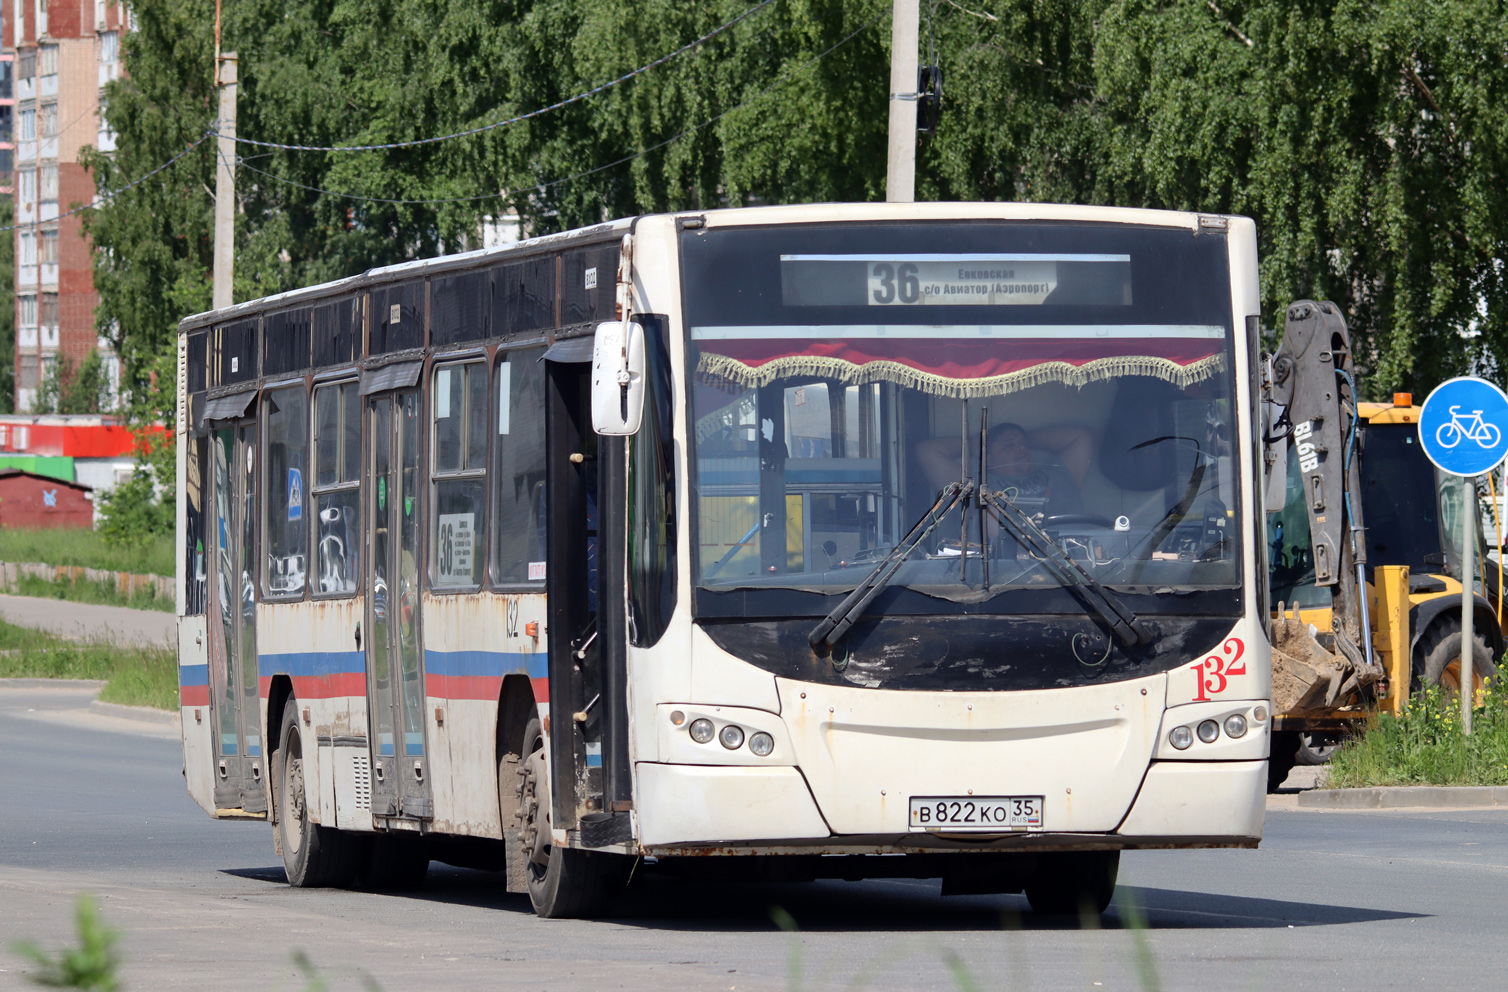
point(285, 467)
point(459, 412)
point(336, 489)
point(519, 469)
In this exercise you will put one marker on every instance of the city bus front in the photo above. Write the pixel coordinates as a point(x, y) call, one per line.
point(972, 562)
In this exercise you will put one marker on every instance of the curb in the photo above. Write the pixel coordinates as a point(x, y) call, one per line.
point(1401, 797)
point(94, 684)
point(145, 714)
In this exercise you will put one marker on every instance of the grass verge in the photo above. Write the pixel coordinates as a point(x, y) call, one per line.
point(132, 676)
point(83, 591)
point(87, 548)
point(1424, 746)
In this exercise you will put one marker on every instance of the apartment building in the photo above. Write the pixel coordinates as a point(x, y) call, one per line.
point(64, 54)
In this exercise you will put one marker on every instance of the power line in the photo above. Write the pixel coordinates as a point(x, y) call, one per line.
point(522, 117)
point(112, 194)
point(601, 168)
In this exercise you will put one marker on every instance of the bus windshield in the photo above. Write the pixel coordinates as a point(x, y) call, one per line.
point(1074, 382)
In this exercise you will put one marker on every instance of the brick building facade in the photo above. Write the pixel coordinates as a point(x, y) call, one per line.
point(64, 54)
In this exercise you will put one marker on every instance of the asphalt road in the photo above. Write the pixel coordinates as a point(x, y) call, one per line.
point(1373, 900)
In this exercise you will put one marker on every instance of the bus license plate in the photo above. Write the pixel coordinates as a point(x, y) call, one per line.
point(984, 813)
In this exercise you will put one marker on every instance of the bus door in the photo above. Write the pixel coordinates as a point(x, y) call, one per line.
point(587, 668)
point(232, 624)
point(395, 676)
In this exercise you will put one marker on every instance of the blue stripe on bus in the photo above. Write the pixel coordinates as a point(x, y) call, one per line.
point(312, 664)
point(191, 675)
point(485, 664)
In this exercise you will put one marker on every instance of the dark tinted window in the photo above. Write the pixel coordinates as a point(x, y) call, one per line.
point(651, 497)
point(285, 341)
point(587, 284)
point(236, 355)
point(1399, 506)
point(337, 333)
point(462, 308)
point(397, 318)
point(198, 374)
point(523, 296)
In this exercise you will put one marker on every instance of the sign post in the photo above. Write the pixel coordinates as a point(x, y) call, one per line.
point(1463, 428)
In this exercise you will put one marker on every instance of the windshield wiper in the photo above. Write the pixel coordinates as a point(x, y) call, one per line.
point(837, 623)
point(1123, 623)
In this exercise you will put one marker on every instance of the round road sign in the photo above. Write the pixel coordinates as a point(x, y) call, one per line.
point(1464, 426)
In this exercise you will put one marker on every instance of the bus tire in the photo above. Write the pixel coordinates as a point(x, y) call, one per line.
point(563, 882)
point(1073, 883)
point(1282, 755)
point(313, 855)
point(1440, 651)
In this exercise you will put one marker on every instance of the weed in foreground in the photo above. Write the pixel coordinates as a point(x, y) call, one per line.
point(91, 965)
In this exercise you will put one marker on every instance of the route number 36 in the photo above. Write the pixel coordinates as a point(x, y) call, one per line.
point(1212, 675)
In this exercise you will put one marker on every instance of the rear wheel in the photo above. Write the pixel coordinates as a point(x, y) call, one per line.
point(1440, 654)
point(563, 882)
point(1315, 749)
point(313, 855)
point(1073, 883)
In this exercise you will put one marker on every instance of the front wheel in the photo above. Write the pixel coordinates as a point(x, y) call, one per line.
point(313, 855)
point(563, 882)
point(1440, 658)
point(1073, 882)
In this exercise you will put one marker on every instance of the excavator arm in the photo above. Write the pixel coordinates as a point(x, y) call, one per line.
point(1310, 389)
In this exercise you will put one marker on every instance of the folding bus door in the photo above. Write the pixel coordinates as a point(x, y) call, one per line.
point(395, 674)
point(235, 713)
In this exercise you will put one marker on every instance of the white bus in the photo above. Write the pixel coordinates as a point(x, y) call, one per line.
point(834, 541)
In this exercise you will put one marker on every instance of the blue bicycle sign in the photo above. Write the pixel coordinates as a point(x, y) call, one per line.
point(1462, 426)
point(1470, 428)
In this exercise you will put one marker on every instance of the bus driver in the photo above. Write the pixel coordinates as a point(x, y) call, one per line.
point(1049, 485)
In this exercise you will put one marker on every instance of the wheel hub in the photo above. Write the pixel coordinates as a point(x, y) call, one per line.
point(534, 817)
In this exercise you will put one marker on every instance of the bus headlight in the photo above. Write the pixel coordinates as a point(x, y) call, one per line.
point(702, 730)
point(731, 737)
point(1209, 731)
point(1235, 725)
point(1181, 738)
point(762, 744)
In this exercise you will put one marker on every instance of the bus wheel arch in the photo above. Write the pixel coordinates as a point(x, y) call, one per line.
point(279, 699)
point(515, 708)
point(562, 882)
point(313, 855)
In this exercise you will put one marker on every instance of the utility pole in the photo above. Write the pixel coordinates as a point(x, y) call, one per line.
point(225, 179)
point(900, 172)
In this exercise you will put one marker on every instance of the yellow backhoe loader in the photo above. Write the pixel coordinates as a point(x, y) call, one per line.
point(1362, 546)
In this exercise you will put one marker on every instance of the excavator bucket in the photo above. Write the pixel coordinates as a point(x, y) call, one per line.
point(1306, 676)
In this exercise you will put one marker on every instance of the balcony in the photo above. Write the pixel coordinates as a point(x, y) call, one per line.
point(26, 88)
point(48, 148)
point(50, 269)
point(50, 336)
point(26, 151)
point(49, 210)
point(49, 85)
point(26, 337)
point(26, 275)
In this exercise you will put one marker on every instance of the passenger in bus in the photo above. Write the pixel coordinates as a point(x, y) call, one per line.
point(1048, 485)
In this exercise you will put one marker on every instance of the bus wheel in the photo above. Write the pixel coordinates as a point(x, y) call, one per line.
point(1073, 882)
point(1440, 648)
point(313, 855)
point(563, 882)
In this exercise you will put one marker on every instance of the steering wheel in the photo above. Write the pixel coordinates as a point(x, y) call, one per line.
point(1065, 519)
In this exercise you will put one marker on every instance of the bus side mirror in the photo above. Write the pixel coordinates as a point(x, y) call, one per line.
point(618, 378)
